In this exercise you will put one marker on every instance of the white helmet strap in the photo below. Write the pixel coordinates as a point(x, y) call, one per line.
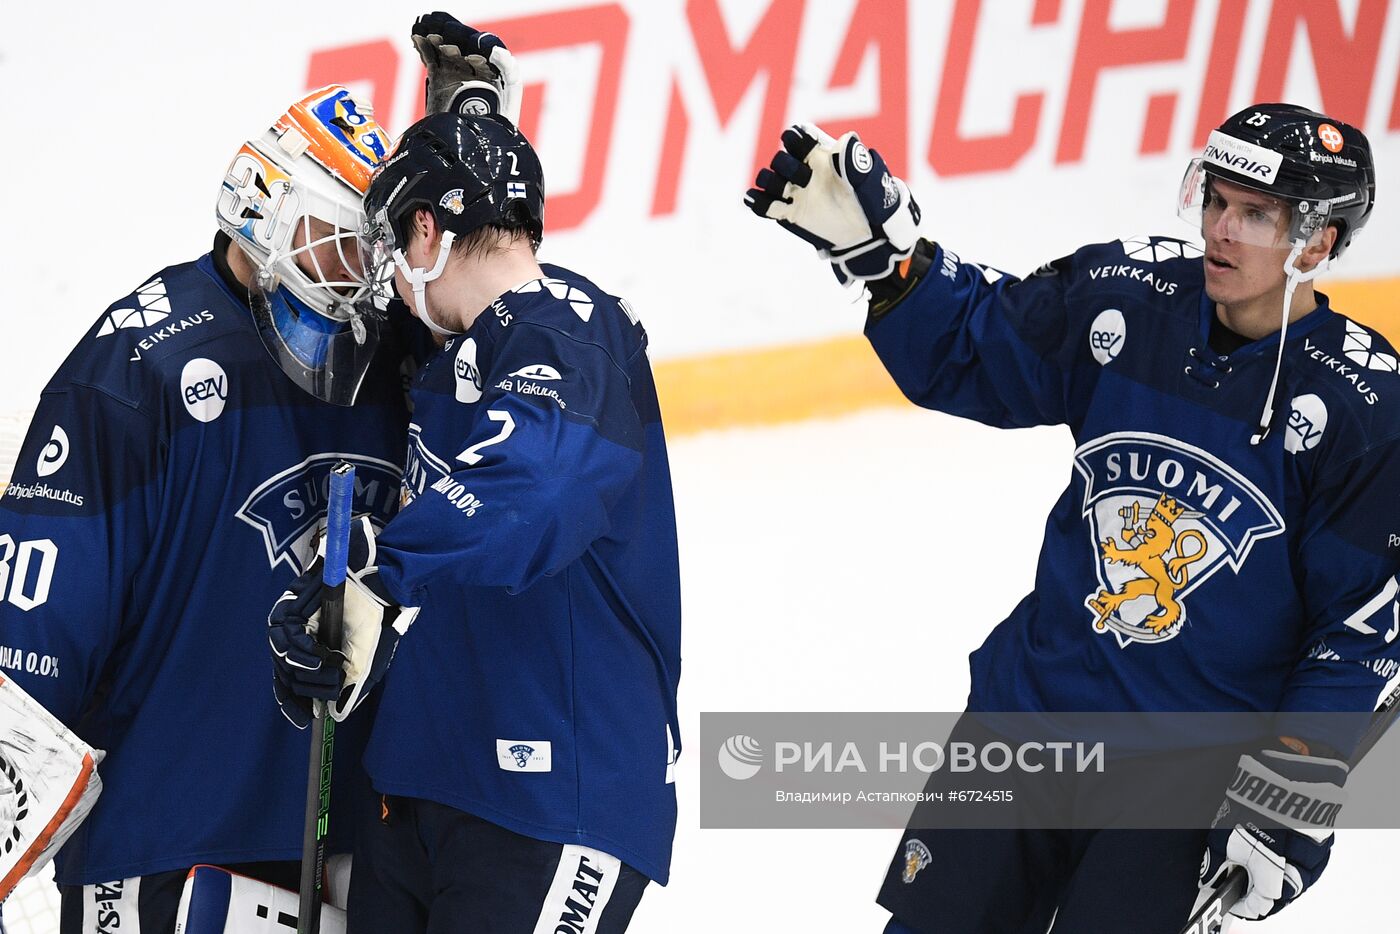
point(1295, 276)
point(418, 278)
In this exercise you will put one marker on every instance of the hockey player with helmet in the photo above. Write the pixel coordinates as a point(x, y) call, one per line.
point(170, 486)
point(525, 734)
point(1224, 544)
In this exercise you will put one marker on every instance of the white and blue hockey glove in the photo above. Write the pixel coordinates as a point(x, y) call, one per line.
point(1276, 823)
point(840, 197)
point(469, 71)
point(303, 668)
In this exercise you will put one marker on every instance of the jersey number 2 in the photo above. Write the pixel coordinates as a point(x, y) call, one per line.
point(472, 455)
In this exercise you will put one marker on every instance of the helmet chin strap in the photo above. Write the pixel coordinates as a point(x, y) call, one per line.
point(1295, 276)
point(418, 278)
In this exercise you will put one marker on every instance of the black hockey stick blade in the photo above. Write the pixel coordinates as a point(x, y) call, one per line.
point(318, 779)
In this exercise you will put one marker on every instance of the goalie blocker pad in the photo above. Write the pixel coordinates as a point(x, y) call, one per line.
point(48, 784)
point(216, 901)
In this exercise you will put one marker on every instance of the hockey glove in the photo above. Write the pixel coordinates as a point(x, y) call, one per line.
point(373, 622)
point(469, 72)
point(302, 668)
point(1276, 823)
point(841, 198)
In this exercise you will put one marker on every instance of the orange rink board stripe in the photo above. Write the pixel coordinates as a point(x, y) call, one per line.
point(841, 375)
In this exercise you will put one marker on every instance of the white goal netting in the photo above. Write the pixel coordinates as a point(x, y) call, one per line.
point(33, 906)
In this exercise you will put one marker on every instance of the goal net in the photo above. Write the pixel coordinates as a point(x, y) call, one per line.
point(32, 907)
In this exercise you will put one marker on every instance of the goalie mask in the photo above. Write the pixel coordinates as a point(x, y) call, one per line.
point(291, 200)
point(470, 172)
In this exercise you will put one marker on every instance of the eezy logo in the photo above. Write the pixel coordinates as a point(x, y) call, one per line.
point(1106, 336)
point(468, 373)
point(204, 389)
point(1307, 420)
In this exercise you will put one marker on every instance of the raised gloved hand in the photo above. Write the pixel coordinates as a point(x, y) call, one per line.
point(373, 622)
point(841, 198)
point(469, 71)
point(1276, 822)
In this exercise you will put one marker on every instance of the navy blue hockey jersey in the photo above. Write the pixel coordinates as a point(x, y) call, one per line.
point(537, 688)
point(167, 492)
point(1183, 568)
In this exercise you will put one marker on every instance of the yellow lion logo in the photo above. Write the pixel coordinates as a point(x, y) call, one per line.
point(1147, 547)
point(917, 856)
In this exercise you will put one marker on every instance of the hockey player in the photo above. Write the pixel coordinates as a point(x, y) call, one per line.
point(170, 486)
point(524, 740)
point(1226, 542)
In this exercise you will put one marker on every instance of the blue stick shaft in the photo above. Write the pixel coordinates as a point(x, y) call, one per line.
point(338, 507)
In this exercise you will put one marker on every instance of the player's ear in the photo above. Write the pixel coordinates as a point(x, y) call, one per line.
point(1318, 248)
point(425, 229)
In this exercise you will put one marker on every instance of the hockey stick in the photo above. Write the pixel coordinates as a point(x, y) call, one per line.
point(318, 779)
point(1213, 917)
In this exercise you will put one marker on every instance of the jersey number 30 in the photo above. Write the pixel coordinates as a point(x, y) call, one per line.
point(15, 571)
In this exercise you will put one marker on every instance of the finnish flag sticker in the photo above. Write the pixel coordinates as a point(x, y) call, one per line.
point(515, 189)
